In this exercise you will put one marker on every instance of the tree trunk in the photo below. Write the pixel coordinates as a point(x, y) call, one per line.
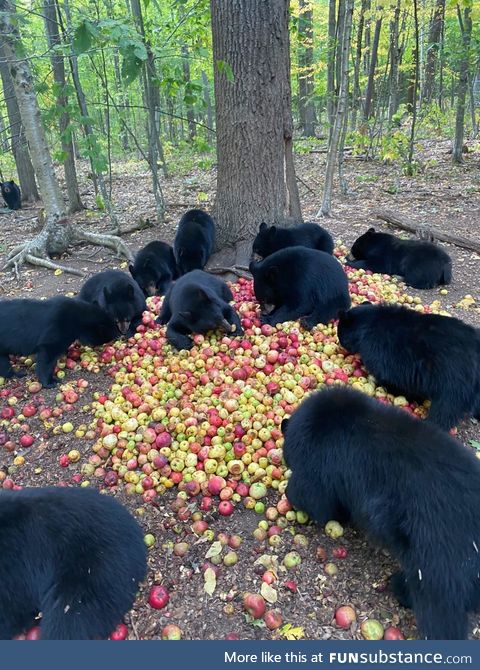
point(208, 105)
point(341, 111)
point(255, 173)
point(306, 107)
point(415, 90)
point(357, 94)
point(434, 36)
point(152, 98)
point(332, 25)
point(395, 53)
point(26, 175)
point(57, 234)
point(466, 31)
point(188, 93)
point(53, 35)
point(373, 66)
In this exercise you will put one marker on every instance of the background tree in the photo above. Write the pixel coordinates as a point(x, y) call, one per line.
point(255, 172)
point(57, 234)
point(465, 23)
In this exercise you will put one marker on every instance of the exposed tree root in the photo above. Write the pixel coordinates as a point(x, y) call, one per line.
point(36, 251)
point(103, 240)
point(46, 263)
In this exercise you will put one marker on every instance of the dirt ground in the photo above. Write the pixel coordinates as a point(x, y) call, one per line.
point(444, 197)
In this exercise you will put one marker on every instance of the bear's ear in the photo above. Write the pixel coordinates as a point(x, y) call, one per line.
point(366, 302)
point(371, 230)
point(252, 266)
point(284, 425)
point(272, 230)
point(263, 226)
point(131, 269)
point(272, 273)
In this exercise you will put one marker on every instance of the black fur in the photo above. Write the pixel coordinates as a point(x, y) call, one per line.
point(119, 295)
point(72, 554)
point(196, 303)
point(300, 283)
point(273, 238)
point(47, 328)
point(154, 268)
point(418, 355)
point(408, 485)
point(194, 241)
point(11, 194)
point(422, 264)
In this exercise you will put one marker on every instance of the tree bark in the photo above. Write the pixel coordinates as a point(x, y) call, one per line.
point(186, 79)
point(411, 143)
point(434, 36)
point(341, 111)
point(357, 94)
point(53, 36)
point(208, 105)
point(395, 54)
point(373, 66)
point(255, 173)
point(466, 31)
point(332, 26)
point(306, 106)
point(26, 175)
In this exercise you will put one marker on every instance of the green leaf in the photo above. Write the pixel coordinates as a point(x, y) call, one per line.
point(82, 39)
point(214, 550)
point(475, 444)
point(210, 581)
point(222, 66)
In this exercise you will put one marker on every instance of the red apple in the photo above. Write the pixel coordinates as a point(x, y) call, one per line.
point(254, 604)
point(158, 597)
point(345, 616)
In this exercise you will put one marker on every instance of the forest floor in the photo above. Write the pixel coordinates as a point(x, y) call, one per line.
point(444, 197)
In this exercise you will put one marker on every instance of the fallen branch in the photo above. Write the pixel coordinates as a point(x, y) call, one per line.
point(143, 224)
point(433, 233)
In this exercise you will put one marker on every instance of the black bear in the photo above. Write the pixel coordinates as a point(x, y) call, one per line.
point(119, 295)
point(73, 554)
point(194, 241)
point(404, 482)
point(154, 268)
point(273, 238)
point(300, 283)
point(196, 303)
point(418, 355)
point(47, 328)
point(422, 264)
point(11, 194)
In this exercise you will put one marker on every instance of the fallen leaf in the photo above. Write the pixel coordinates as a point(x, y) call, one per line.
point(269, 593)
point(210, 581)
point(214, 550)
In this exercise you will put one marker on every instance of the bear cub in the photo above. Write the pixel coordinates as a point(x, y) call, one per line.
point(422, 264)
point(47, 328)
point(425, 356)
point(300, 283)
point(11, 194)
point(72, 554)
point(196, 303)
point(194, 241)
point(408, 485)
point(119, 295)
point(273, 238)
point(154, 268)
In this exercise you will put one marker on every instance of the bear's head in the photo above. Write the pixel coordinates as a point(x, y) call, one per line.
point(361, 246)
